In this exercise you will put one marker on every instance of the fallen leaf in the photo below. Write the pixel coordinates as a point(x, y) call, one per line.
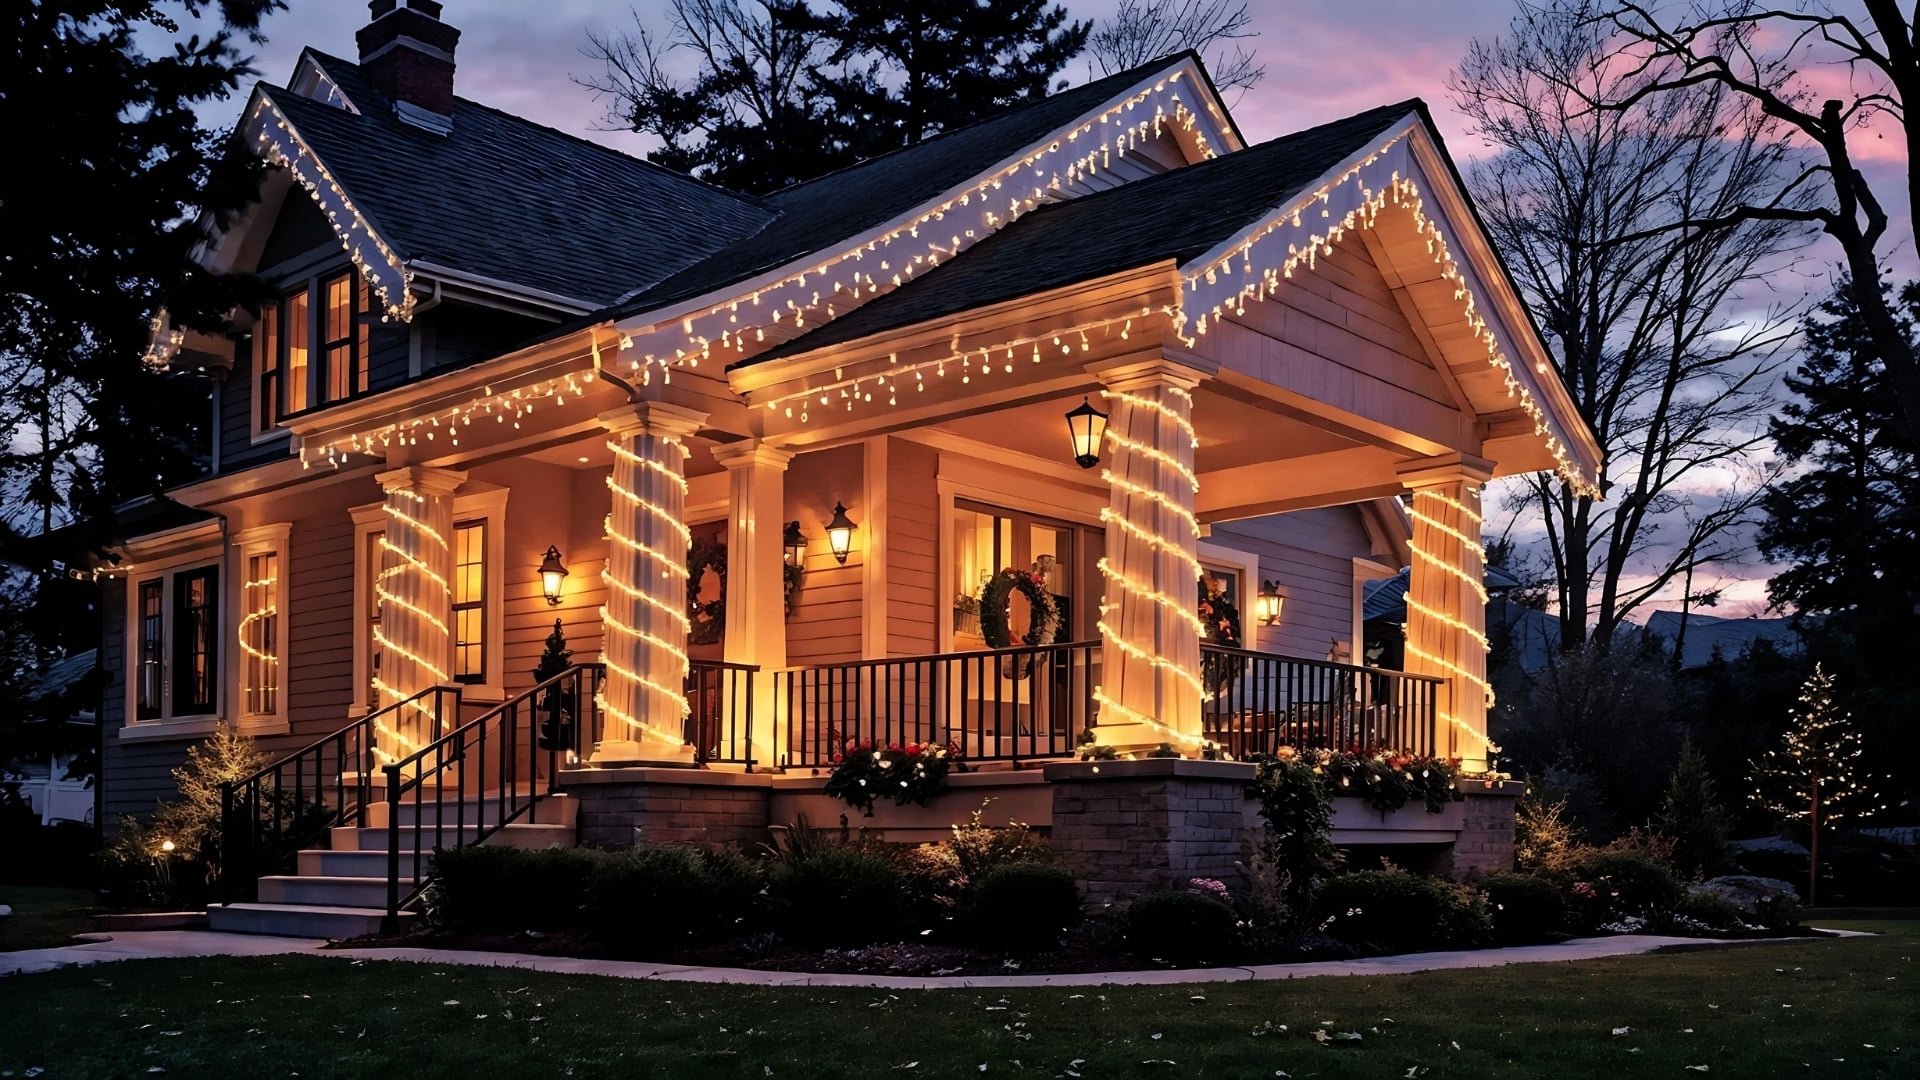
point(908, 1065)
point(1619, 1031)
point(1696, 1068)
point(1156, 1034)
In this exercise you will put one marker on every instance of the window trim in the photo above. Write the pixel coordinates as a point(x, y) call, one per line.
point(312, 286)
point(274, 539)
point(484, 603)
point(166, 571)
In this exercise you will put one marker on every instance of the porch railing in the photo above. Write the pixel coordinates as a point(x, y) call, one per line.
point(1263, 701)
point(266, 818)
point(993, 705)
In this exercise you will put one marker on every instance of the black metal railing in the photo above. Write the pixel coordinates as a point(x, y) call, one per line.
point(720, 699)
point(1263, 701)
point(266, 818)
point(993, 705)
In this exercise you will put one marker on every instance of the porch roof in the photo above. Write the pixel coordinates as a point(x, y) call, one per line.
point(1178, 215)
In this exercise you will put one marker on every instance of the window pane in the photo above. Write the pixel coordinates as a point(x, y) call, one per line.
point(195, 653)
point(469, 602)
point(266, 348)
point(375, 557)
point(361, 351)
point(260, 634)
point(337, 339)
point(152, 648)
point(339, 372)
point(297, 329)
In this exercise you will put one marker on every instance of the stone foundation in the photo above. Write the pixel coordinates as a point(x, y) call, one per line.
point(619, 806)
point(1485, 843)
point(1130, 827)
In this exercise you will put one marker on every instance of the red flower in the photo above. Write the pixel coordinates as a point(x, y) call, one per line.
point(836, 759)
point(913, 748)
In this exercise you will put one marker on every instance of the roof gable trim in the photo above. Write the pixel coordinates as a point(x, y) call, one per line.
point(1352, 195)
point(274, 137)
point(780, 304)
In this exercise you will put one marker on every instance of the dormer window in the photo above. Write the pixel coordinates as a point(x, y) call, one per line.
point(310, 348)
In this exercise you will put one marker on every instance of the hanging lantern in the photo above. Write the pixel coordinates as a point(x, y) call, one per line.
point(794, 546)
point(1267, 605)
point(840, 533)
point(552, 573)
point(1086, 426)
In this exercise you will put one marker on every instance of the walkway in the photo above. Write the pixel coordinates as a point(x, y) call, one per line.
point(184, 943)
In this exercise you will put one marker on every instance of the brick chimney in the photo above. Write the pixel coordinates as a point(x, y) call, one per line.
point(408, 52)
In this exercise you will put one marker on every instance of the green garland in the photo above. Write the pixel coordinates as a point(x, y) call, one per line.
point(995, 596)
point(1221, 620)
point(708, 621)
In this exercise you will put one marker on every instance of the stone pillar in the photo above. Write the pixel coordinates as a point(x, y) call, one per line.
point(1485, 844)
point(756, 576)
point(1150, 689)
point(1447, 600)
point(643, 703)
point(1130, 827)
point(415, 635)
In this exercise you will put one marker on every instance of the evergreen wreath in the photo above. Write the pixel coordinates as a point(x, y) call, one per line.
point(708, 621)
point(995, 597)
point(1221, 619)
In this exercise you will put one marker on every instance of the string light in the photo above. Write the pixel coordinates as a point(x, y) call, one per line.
point(1223, 284)
point(504, 407)
point(395, 588)
point(261, 599)
point(1163, 458)
point(1140, 491)
point(624, 682)
point(1179, 419)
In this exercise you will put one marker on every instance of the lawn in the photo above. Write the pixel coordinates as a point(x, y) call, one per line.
point(45, 916)
point(1819, 1009)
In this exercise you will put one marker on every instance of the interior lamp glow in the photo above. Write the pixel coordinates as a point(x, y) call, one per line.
point(840, 533)
point(794, 545)
point(1086, 426)
point(552, 573)
point(1267, 605)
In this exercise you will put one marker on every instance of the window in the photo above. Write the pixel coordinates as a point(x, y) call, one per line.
point(152, 628)
point(311, 348)
point(987, 540)
point(470, 602)
point(260, 634)
point(176, 617)
point(370, 639)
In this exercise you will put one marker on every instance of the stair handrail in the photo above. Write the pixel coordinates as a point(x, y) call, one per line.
point(241, 799)
point(469, 739)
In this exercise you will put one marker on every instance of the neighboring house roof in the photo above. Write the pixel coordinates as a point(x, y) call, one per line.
point(1706, 633)
point(59, 679)
point(503, 198)
point(1386, 598)
point(1178, 215)
point(811, 216)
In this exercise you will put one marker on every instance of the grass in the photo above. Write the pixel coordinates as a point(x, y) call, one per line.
point(45, 916)
point(1802, 1009)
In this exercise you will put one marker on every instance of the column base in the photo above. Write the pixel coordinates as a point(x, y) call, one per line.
point(614, 752)
point(1134, 739)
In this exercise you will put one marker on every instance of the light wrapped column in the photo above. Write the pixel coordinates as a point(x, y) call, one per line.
point(1447, 601)
point(1150, 690)
point(643, 701)
point(415, 634)
point(756, 576)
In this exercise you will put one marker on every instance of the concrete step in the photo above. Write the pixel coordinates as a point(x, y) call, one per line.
point(322, 863)
point(339, 892)
point(299, 920)
point(347, 838)
point(486, 810)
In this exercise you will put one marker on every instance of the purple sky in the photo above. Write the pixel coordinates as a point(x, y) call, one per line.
point(1325, 59)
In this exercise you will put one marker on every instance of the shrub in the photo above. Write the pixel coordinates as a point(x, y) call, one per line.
point(1711, 911)
point(489, 889)
point(1624, 882)
point(1542, 833)
point(1692, 817)
point(839, 895)
point(1022, 905)
point(1524, 908)
point(1396, 910)
point(1299, 835)
point(978, 847)
point(665, 895)
point(863, 773)
point(1180, 926)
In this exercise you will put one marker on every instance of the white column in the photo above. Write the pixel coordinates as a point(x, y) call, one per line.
point(644, 703)
point(1150, 688)
point(1447, 600)
point(415, 636)
point(756, 577)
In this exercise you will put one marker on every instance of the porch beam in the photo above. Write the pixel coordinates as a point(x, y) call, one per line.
point(1333, 478)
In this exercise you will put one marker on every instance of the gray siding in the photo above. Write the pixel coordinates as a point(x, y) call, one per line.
point(1310, 553)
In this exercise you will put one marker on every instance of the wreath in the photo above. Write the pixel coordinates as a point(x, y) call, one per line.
point(995, 606)
point(706, 622)
point(1221, 621)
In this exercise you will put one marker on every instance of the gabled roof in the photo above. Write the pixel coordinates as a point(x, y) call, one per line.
point(506, 199)
point(1706, 633)
point(1179, 215)
point(849, 202)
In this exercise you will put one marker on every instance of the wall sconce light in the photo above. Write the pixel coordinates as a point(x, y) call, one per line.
point(1267, 605)
point(840, 533)
point(1086, 426)
point(794, 545)
point(552, 573)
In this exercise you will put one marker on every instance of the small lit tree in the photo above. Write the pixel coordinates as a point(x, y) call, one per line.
point(1813, 775)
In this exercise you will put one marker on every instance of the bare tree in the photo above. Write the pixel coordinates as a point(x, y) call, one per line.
point(1143, 30)
point(746, 118)
point(1763, 55)
point(1667, 342)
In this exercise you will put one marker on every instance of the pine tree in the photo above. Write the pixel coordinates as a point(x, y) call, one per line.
point(556, 730)
point(1814, 776)
point(1692, 817)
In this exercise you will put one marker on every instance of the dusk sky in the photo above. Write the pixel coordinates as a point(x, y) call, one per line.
point(1325, 59)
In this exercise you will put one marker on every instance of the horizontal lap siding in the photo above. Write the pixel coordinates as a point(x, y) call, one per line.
point(828, 615)
point(319, 669)
point(1310, 553)
point(913, 528)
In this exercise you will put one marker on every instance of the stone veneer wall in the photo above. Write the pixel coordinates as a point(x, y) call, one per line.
point(1485, 844)
point(670, 805)
point(1130, 827)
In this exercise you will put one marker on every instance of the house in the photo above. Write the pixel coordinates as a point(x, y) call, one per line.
point(1700, 638)
point(514, 378)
